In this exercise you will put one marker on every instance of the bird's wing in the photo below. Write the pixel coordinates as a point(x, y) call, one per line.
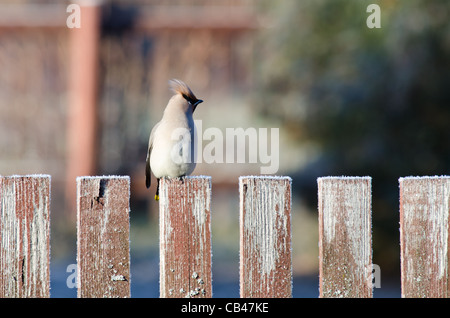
point(147, 163)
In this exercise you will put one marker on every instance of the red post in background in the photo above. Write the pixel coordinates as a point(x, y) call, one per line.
point(83, 94)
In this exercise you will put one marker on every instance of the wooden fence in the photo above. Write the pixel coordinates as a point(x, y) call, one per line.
point(103, 249)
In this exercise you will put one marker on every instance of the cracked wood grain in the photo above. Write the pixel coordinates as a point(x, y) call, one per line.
point(345, 237)
point(185, 237)
point(25, 236)
point(424, 236)
point(103, 237)
point(265, 237)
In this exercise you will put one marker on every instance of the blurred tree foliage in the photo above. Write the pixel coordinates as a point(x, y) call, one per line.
point(375, 101)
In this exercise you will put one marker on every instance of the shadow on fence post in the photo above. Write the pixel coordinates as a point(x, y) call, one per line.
point(424, 236)
point(345, 238)
point(265, 236)
point(103, 236)
point(25, 236)
point(185, 237)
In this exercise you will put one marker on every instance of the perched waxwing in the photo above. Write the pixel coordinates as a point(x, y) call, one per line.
point(171, 144)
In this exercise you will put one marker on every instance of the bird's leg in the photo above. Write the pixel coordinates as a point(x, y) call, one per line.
point(157, 190)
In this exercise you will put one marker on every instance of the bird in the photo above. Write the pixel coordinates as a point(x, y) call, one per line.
point(171, 143)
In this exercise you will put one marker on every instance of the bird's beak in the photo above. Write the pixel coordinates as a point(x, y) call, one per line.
point(195, 105)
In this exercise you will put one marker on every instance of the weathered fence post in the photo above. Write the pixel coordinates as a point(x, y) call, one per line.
point(103, 233)
point(265, 236)
point(345, 239)
point(25, 236)
point(424, 236)
point(185, 237)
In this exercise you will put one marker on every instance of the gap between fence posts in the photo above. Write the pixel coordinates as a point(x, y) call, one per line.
point(185, 237)
point(25, 236)
point(345, 238)
point(103, 236)
point(265, 236)
point(424, 236)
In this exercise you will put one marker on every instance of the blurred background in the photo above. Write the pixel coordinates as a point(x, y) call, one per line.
point(349, 100)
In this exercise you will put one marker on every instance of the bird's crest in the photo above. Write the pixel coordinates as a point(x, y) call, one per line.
point(179, 87)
